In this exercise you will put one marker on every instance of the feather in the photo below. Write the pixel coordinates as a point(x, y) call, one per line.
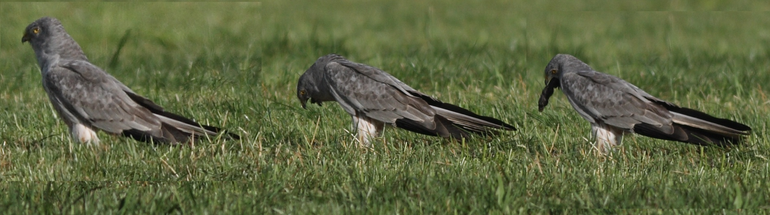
point(86, 97)
point(604, 99)
point(366, 90)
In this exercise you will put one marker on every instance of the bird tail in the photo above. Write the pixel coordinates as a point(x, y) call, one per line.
point(692, 126)
point(174, 128)
point(465, 119)
point(189, 128)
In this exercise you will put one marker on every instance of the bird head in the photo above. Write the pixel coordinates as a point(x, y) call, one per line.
point(302, 93)
point(553, 70)
point(37, 31)
point(561, 62)
point(306, 89)
point(48, 37)
point(312, 86)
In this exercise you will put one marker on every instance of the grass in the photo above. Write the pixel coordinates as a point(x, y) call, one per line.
point(235, 65)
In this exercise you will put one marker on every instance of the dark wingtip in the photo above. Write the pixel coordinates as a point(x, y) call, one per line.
point(687, 134)
point(457, 109)
point(220, 130)
point(155, 109)
point(175, 137)
point(444, 128)
point(704, 116)
point(232, 135)
point(506, 126)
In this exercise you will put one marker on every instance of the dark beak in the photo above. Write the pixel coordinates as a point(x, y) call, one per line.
point(305, 101)
point(25, 38)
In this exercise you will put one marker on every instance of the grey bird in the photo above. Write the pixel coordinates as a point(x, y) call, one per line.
point(88, 99)
point(614, 107)
point(374, 98)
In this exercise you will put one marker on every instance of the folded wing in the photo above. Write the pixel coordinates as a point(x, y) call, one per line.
point(604, 98)
point(364, 89)
point(99, 100)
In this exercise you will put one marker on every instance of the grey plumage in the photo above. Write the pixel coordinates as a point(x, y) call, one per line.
point(373, 98)
point(614, 106)
point(87, 98)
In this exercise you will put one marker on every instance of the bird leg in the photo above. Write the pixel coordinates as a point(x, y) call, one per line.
point(606, 137)
point(367, 129)
point(84, 134)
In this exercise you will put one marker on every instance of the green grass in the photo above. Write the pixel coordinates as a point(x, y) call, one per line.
point(235, 65)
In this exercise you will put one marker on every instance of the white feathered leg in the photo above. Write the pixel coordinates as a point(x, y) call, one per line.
point(367, 129)
point(606, 137)
point(84, 134)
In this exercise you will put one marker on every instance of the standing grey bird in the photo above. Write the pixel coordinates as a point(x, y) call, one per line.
point(87, 98)
point(614, 107)
point(374, 98)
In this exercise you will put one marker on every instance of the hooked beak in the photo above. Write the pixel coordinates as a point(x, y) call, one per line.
point(25, 38)
point(303, 102)
point(311, 102)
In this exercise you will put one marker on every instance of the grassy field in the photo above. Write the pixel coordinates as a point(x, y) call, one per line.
point(235, 65)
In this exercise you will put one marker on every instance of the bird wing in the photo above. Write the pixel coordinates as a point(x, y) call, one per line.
point(364, 89)
point(604, 98)
point(93, 97)
point(378, 75)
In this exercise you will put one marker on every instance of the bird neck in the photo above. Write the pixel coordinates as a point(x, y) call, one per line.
point(578, 66)
point(322, 91)
point(66, 48)
point(46, 59)
point(53, 51)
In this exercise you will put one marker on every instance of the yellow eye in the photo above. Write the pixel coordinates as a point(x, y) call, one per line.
point(553, 71)
point(301, 92)
point(35, 30)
